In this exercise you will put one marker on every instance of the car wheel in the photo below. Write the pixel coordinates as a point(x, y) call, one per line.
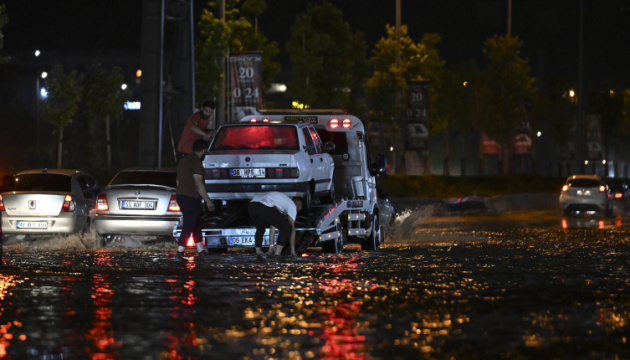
point(330, 196)
point(307, 200)
point(335, 246)
point(373, 241)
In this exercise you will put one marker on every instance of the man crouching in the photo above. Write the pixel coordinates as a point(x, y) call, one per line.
point(276, 211)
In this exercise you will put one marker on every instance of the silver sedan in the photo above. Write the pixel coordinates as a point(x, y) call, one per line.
point(48, 202)
point(139, 203)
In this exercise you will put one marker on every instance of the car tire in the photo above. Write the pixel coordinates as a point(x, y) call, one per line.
point(335, 246)
point(307, 201)
point(373, 241)
point(329, 198)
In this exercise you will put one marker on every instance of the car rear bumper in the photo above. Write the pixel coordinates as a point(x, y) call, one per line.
point(66, 223)
point(125, 225)
point(236, 191)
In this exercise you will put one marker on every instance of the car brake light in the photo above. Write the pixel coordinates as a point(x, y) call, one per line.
point(172, 205)
point(602, 188)
point(101, 203)
point(346, 123)
point(618, 195)
point(565, 188)
point(333, 123)
point(68, 204)
point(1, 204)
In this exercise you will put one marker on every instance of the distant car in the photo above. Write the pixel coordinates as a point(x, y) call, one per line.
point(247, 159)
point(48, 202)
point(620, 193)
point(585, 195)
point(139, 203)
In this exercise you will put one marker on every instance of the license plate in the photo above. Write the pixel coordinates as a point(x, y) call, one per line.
point(140, 205)
point(32, 225)
point(242, 240)
point(248, 173)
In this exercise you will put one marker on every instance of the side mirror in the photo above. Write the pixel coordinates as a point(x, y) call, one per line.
point(328, 146)
point(379, 168)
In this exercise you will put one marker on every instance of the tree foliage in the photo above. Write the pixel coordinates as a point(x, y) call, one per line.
point(418, 61)
point(103, 99)
point(235, 33)
point(504, 92)
point(62, 103)
point(329, 60)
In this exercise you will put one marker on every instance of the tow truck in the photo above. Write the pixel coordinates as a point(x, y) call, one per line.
point(355, 214)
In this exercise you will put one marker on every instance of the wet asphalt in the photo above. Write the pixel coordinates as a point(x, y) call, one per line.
point(520, 285)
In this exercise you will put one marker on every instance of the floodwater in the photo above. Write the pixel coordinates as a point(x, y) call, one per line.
point(437, 289)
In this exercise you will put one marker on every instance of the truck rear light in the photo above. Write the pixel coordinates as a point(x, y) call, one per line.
point(1, 204)
point(333, 123)
point(101, 203)
point(346, 123)
point(68, 204)
point(602, 188)
point(172, 204)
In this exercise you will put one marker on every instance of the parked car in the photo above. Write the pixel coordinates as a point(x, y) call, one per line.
point(246, 159)
point(620, 193)
point(585, 195)
point(48, 202)
point(139, 203)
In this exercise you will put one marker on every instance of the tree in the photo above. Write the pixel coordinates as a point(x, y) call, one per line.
point(62, 103)
point(329, 60)
point(389, 80)
point(235, 33)
point(103, 99)
point(4, 19)
point(505, 93)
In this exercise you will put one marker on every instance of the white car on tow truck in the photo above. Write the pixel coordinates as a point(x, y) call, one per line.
point(352, 216)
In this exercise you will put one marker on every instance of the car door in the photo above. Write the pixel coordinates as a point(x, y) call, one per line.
point(321, 162)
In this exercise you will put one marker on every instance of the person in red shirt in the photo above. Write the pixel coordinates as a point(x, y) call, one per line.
point(196, 129)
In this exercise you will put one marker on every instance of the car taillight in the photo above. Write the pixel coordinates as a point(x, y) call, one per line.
point(172, 205)
point(68, 204)
point(1, 204)
point(618, 195)
point(565, 188)
point(216, 173)
point(283, 173)
point(602, 188)
point(101, 203)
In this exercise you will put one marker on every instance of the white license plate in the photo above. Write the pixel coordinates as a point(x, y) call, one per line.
point(140, 205)
point(32, 225)
point(248, 173)
point(242, 240)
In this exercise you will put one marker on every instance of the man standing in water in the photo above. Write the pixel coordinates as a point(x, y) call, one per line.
point(191, 189)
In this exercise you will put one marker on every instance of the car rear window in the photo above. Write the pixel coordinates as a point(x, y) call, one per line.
point(42, 182)
point(256, 138)
point(584, 183)
point(162, 178)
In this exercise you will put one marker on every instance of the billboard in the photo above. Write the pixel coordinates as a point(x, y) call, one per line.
point(416, 116)
point(245, 83)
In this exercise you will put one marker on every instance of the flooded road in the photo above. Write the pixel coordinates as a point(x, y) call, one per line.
point(441, 288)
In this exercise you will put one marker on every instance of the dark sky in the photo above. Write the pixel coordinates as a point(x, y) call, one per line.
point(549, 29)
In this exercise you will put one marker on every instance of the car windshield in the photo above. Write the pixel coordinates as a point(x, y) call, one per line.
point(256, 138)
point(163, 178)
point(584, 183)
point(42, 182)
